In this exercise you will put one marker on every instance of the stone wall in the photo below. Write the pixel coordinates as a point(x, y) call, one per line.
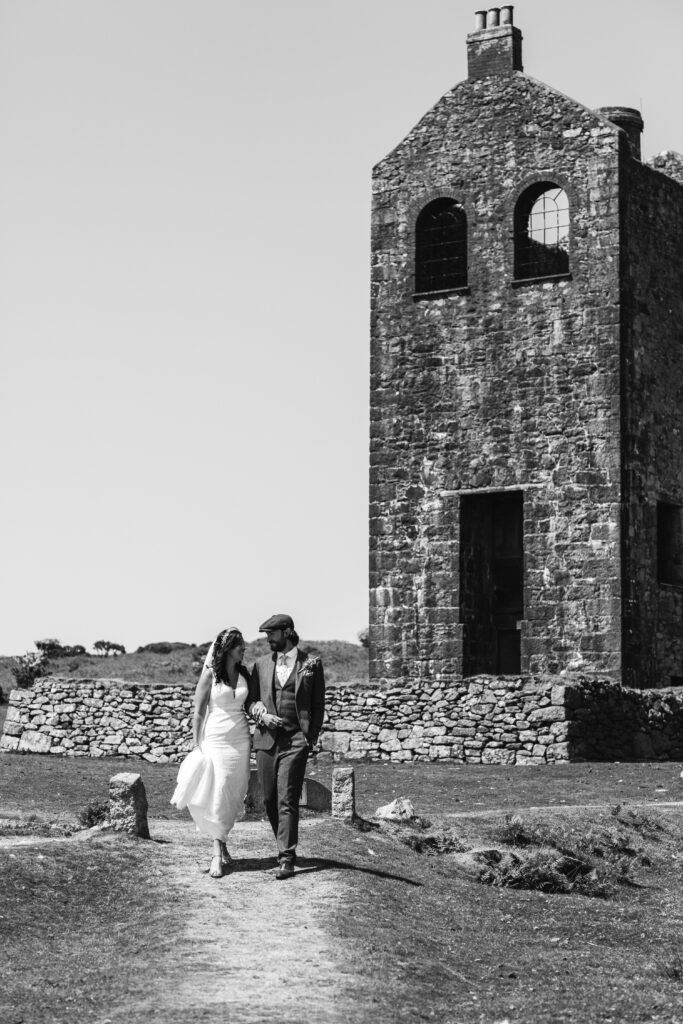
point(612, 722)
point(99, 718)
point(485, 720)
point(489, 720)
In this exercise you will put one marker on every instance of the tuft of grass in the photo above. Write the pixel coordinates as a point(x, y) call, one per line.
point(431, 840)
point(644, 824)
point(516, 832)
point(673, 967)
point(538, 871)
point(94, 813)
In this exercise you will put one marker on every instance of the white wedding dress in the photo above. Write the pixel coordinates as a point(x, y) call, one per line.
point(213, 786)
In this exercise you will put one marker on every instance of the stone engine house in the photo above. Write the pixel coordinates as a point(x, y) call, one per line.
point(526, 481)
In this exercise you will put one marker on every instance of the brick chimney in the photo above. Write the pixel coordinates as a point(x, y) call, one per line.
point(495, 46)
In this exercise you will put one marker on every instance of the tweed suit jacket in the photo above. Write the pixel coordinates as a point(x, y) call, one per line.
point(309, 696)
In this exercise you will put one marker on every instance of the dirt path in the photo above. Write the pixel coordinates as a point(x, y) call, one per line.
point(250, 948)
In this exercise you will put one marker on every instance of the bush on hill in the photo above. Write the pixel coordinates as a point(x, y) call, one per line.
point(164, 647)
point(27, 668)
point(159, 664)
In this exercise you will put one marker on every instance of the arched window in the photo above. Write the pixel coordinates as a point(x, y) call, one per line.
point(441, 247)
point(542, 232)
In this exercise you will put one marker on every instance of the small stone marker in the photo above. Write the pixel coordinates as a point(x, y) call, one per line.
point(315, 796)
point(128, 804)
point(343, 793)
point(400, 809)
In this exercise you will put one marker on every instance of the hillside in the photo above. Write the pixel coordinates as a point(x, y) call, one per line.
point(345, 663)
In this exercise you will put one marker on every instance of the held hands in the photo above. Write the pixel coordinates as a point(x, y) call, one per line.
point(270, 721)
point(264, 717)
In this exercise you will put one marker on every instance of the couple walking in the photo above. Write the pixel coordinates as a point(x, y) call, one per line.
point(285, 696)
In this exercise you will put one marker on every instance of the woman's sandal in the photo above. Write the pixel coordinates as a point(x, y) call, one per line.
point(216, 868)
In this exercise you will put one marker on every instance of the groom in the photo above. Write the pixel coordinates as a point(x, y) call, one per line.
point(287, 699)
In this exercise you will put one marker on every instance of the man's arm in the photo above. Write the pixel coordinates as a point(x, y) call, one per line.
point(255, 707)
point(317, 705)
point(254, 697)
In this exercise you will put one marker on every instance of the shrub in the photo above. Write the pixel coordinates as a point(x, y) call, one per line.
point(49, 648)
point(539, 870)
point(516, 832)
point(591, 864)
point(437, 841)
point(106, 647)
point(166, 647)
point(52, 648)
point(94, 813)
point(27, 668)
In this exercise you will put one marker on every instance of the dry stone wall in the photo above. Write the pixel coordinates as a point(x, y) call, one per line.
point(484, 720)
point(99, 718)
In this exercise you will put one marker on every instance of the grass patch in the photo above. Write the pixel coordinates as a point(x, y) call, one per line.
point(34, 826)
point(82, 925)
point(422, 836)
point(539, 855)
point(92, 925)
point(533, 951)
point(592, 863)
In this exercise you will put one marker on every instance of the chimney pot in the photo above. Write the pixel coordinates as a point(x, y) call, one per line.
point(494, 49)
point(506, 15)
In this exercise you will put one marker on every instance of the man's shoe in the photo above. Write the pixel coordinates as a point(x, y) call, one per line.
point(286, 870)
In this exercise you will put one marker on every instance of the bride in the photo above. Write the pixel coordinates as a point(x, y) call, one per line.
point(213, 779)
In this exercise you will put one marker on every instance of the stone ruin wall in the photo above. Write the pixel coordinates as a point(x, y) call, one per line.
point(497, 387)
point(484, 720)
point(652, 255)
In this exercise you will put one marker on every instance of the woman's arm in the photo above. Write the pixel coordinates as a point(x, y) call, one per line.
point(253, 704)
point(201, 700)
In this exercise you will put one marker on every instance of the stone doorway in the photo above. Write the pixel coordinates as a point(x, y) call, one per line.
point(491, 582)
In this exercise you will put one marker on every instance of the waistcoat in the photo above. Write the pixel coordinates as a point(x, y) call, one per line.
point(285, 703)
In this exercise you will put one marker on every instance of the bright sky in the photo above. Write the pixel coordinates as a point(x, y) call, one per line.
point(184, 251)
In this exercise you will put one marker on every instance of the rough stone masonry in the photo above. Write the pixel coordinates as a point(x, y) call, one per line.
point(483, 720)
point(526, 481)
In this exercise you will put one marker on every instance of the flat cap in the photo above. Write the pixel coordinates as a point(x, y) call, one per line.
point(277, 622)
